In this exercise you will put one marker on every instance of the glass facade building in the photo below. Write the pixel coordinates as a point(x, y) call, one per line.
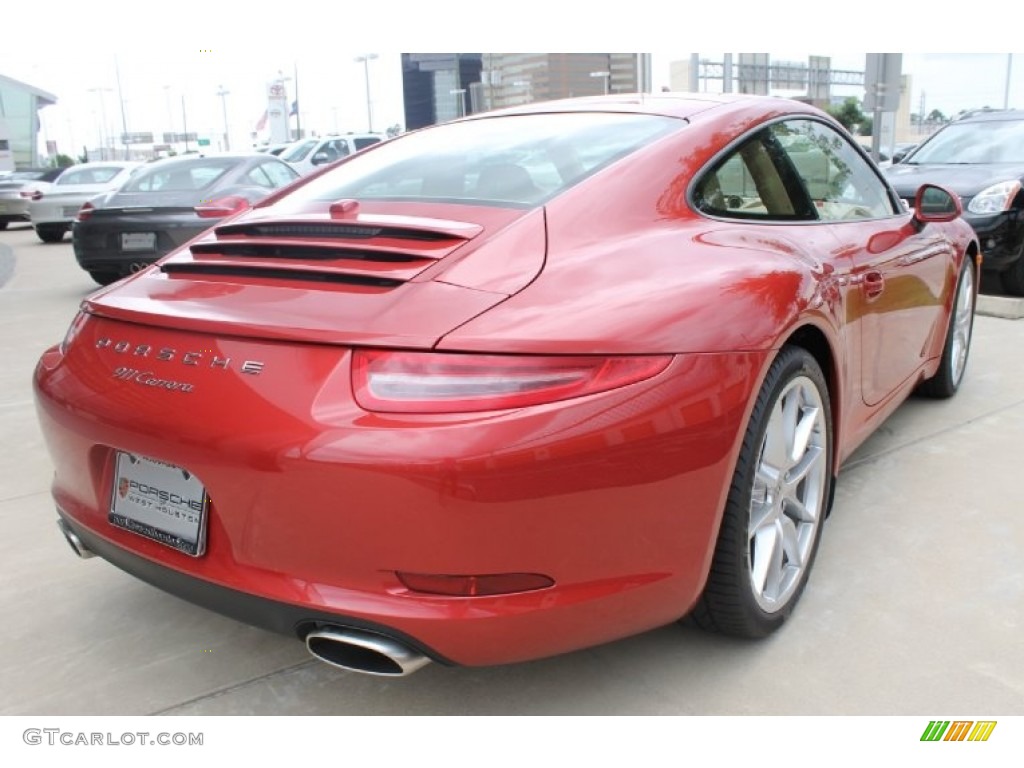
point(19, 114)
point(443, 86)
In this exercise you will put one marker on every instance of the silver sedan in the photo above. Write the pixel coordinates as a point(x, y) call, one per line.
point(52, 211)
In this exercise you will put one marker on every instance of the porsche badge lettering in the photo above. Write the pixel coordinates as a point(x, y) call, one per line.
point(149, 379)
point(195, 358)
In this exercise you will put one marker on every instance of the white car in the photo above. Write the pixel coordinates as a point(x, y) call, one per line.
point(51, 211)
point(306, 155)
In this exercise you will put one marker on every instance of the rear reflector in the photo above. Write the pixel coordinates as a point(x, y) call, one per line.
point(474, 586)
point(428, 382)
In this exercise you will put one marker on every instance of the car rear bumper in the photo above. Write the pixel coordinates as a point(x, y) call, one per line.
point(281, 617)
point(99, 242)
point(316, 505)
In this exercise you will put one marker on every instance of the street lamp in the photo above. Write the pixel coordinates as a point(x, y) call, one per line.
point(224, 106)
point(460, 93)
point(170, 116)
point(104, 133)
point(365, 61)
point(606, 76)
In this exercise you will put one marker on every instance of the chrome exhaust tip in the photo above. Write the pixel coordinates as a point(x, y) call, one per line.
point(364, 652)
point(73, 541)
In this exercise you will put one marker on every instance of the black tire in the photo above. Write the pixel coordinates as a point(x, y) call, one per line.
point(51, 233)
point(3, 225)
point(733, 602)
point(957, 345)
point(104, 278)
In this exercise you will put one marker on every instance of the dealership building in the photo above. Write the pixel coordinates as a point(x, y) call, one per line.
point(19, 119)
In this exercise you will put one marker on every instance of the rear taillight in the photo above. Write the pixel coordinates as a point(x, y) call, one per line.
point(34, 194)
point(428, 382)
point(85, 211)
point(225, 206)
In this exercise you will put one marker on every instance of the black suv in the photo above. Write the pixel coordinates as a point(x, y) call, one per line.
point(980, 157)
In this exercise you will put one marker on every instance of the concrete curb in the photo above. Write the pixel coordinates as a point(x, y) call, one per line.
point(1000, 306)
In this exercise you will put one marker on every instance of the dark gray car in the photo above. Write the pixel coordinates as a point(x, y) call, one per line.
point(980, 157)
point(167, 204)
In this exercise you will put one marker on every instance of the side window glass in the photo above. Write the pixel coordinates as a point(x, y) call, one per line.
point(279, 174)
point(840, 183)
point(748, 184)
point(258, 178)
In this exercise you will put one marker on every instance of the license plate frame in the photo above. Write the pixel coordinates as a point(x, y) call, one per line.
point(159, 501)
point(138, 241)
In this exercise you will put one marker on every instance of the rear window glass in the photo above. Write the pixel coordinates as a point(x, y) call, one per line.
point(519, 160)
point(190, 175)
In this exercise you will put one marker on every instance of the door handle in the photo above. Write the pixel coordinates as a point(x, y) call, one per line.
point(874, 284)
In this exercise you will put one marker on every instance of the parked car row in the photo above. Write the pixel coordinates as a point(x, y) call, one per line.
point(167, 203)
point(126, 215)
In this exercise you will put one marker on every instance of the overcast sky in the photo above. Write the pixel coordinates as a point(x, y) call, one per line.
point(164, 52)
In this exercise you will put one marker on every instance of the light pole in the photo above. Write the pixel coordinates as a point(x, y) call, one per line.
point(170, 115)
point(103, 121)
point(365, 61)
point(222, 92)
point(605, 76)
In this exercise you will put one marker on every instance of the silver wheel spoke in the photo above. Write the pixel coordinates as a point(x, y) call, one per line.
point(797, 510)
point(775, 452)
point(791, 543)
point(803, 433)
point(764, 552)
point(790, 417)
point(774, 579)
point(806, 466)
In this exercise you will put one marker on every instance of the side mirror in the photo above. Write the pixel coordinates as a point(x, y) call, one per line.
point(935, 203)
point(320, 158)
point(898, 156)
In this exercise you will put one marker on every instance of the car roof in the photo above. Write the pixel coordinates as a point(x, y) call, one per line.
point(667, 104)
point(990, 115)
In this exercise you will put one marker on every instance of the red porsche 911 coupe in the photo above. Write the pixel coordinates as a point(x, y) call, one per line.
point(514, 385)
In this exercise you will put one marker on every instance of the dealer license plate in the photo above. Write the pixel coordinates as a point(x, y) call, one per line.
point(138, 241)
point(159, 501)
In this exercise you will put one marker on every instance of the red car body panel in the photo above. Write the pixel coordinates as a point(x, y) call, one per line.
point(617, 496)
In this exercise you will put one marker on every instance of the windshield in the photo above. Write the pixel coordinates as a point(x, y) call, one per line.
point(986, 141)
point(299, 151)
point(518, 160)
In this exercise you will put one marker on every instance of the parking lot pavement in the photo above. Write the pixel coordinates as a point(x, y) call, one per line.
point(916, 604)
